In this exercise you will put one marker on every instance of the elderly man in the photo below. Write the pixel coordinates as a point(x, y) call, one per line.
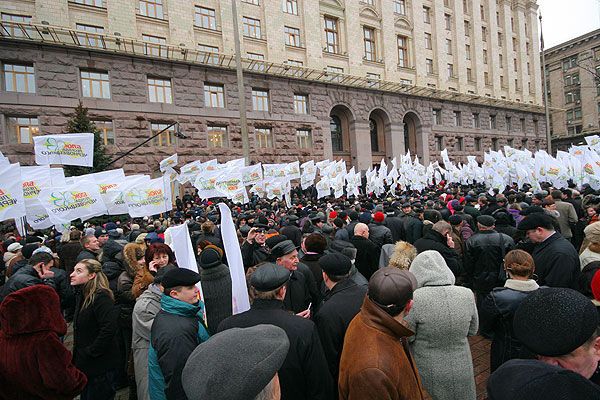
point(376, 362)
point(556, 260)
point(304, 373)
point(560, 327)
point(367, 252)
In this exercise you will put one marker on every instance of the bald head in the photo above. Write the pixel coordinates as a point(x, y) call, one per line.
point(361, 230)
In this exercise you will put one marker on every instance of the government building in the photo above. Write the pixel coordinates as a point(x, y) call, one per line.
point(343, 79)
point(573, 81)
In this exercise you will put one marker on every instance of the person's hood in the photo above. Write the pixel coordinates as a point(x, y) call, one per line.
point(431, 269)
point(111, 248)
point(129, 256)
point(31, 310)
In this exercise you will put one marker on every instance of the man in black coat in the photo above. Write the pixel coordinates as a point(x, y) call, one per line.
point(304, 374)
point(556, 260)
point(313, 247)
point(438, 238)
point(91, 248)
point(395, 224)
point(342, 302)
point(38, 271)
point(253, 249)
point(379, 233)
point(367, 252)
point(412, 226)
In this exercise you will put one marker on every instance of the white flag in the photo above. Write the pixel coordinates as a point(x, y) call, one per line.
point(110, 184)
point(239, 292)
point(12, 203)
point(168, 162)
point(79, 200)
point(252, 174)
point(66, 149)
point(149, 198)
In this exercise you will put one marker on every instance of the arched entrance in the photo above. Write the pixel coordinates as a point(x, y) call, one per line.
point(341, 124)
point(379, 132)
point(412, 135)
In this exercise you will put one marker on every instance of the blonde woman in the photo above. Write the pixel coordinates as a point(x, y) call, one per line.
point(95, 350)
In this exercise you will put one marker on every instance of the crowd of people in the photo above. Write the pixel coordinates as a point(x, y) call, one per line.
point(353, 298)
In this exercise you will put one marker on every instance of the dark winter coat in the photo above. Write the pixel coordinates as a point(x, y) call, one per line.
point(367, 256)
point(304, 374)
point(484, 258)
point(301, 290)
point(496, 314)
point(342, 234)
point(25, 277)
point(433, 240)
point(95, 349)
point(556, 262)
point(380, 234)
point(68, 253)
point(311, 260)
point(216, 289)
point(86, 255)
point(413, 228)
point(340, 306)
point(34, 364)
point(293, 233)
point(253, 253)
point(396, 228)
point(350, 228)
point(112, 262)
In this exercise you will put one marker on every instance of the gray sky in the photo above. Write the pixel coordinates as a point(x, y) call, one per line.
point(566, 19)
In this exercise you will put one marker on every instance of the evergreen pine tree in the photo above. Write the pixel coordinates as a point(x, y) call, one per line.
point(80, 123)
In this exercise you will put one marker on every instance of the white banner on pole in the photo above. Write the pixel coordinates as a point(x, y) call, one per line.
point(149, 198)
point(168, 162)
point(79, 200)
point(66, 149)
point(12, 203)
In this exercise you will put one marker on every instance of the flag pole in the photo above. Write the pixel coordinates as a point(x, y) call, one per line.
point(545, 88)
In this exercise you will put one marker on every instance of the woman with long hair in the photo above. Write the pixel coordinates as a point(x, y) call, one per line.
point(157, 255)
point(95, 350)
point(498, 308)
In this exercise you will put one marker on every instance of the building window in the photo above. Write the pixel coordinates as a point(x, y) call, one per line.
point(457, 118)
point(426, 15)
point(159, 90)
point(260, 100)
point(95, 84)
point(524, 143)
point(374, 135)
point(19, 78)
point(499, 39)
point(459, 144)
point(259, 64)
point(448, 21)
point(304, 138)
point(574, 115)
point(106, 131)
point(214, 95)
point(476, 120)
point(502, 85)
point(402, 51)
point(254, 2)
point(91, 37)
point(468, 51)
point(465, 6)
point(400, 7)
point(251, 27)
point(155, 46)
point(166, 138)
point(152, 8)
point(574, 130)
point(467, 28)
point(484, 33)
point(522, 120)
point(482, 12)
point(569, 63)
point(437, 116)
point(335, 127)
point(428, 41)
point(292, 36)
point(369, 42)
point(469, 75)
point(439, 143)
point(217, 136)
point(515, 64)
point(300, 104)
point(15, 31)
point(263, 137)
point(477, 144)
point(509, 124)
point(290, 6)
point(22, 129)
point(450, 71)
point(572, 79)
point(95, 3)
point(486, 78)
point(510, 142)
point(331, 35)
point(572, 96)
point(485, 58)
point(206, 18)
point(211, 55)
point(493, 122)
point(429, 66)
point(449, 47)
point(495, 144)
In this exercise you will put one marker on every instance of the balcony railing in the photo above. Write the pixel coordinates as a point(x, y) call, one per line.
point(63, 36)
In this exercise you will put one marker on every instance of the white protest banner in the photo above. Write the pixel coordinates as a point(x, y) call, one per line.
point(57, 177)
point(239, 292)
point(66, 149)
point(227, 184)
point(252, 174)
point(188, 172)
point(64, 204)
point(168, 162)
point(4, 160)
point(235, 164)
point(37, 217)
point(149, 198)
point(274, 170)
point(292, 170)
point(12, 203)
point(110, 184)
point(206, 184)
point(34, 180)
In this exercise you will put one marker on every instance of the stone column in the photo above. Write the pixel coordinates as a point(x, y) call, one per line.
point(397, 147)
point(360, 142)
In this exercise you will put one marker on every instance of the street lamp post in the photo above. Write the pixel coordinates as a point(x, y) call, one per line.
point(545, 88)
point(240, 83)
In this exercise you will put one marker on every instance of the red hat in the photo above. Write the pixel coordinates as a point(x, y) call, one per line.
point(379, 216)
point(333, 215)
point(596, 285)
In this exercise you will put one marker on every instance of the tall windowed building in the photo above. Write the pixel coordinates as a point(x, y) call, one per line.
point(573, 82)
point(345, 79)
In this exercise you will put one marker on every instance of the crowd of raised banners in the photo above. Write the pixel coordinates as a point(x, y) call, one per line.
point(45, 197)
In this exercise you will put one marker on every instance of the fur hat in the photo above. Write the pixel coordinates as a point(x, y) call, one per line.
point(592, 232)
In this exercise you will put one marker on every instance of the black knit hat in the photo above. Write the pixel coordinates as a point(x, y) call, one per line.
point(555, 321)
point(335, 264)
point(209, 258)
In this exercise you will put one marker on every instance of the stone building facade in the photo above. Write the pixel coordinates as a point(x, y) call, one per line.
point(573, 79)
point(136, 87)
